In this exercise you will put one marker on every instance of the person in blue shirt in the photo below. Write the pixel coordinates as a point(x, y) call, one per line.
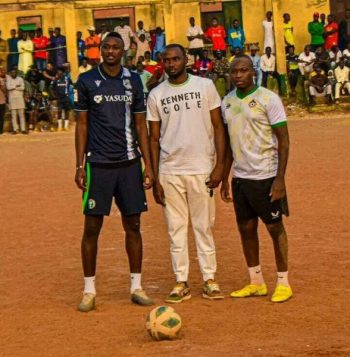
point(111, 125)
point(12, 59)
point(160, 43)
point(235, 36)
point(80, 47)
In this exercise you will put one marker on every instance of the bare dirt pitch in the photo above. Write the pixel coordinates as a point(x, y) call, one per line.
point(41, 275)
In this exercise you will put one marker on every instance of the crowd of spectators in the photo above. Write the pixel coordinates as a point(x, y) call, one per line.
point(36, 83)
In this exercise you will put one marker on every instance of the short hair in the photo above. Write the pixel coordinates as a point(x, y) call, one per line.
point(39, 29)
point(242, 57)
point(214, 18)
point(114, 34)
point(176, 45)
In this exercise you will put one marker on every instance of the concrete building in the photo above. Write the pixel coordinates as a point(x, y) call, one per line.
point(172, 15)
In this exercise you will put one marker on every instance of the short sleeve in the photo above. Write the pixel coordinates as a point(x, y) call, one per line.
point(152, 110)
point(214, 100)
point(188, 32)
point(82, 104)
point(223, 109)
point(201, 31)
point(275, 112)
point(138, 105)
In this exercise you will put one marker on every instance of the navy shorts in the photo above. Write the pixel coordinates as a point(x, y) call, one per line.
point(123, 181)
point(252, 199)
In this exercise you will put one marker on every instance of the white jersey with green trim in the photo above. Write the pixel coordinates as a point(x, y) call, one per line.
point(250, 120)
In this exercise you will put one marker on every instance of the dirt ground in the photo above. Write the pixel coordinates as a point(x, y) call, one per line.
point(41, 275)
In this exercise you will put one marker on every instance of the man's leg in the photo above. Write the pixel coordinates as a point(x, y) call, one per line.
point(201, 204)
point(176, 214)
point(22, 120)
point(14, 120)
point(283, 291)
point(264, 79)
point(92, 228)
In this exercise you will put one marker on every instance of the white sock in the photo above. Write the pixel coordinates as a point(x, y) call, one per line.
point(256, 276)
point(66, 124)
point(135, 279)
point(282, 278)
point(59, 122)
point(89, 285)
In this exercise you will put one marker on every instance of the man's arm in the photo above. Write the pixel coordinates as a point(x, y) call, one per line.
point(278, 189)
point(142, 136)
point(80, 149)
point(219, 140)
point(158, 191)
point(225, 186)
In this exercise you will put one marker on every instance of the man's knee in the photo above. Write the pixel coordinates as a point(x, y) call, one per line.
point(275, 229)
point(247, 227)
point(131, 224)
point(92, 227)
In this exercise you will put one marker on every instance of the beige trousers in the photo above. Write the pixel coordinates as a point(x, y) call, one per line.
point(14, 118)
point(188, 196)
point(338, 86)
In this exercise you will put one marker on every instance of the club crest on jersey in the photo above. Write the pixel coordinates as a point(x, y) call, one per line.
point(98, 99)
point(252, 104)
point(91, 203)
point(98, 82)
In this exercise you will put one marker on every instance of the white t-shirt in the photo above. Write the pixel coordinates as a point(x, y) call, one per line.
point(250, 122)
point(268, 64)
point(187, 134)
point(346, 53)
point(269, 39)
point(309, 58)
point(126, 33)
point(194, 31)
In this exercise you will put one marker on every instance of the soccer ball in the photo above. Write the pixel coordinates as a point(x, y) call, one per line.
point(163, 323)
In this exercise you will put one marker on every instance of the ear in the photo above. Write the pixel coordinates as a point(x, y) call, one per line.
point(186, 59)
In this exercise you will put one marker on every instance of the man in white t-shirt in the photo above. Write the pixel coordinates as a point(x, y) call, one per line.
point(268, 68)
point(186, 133)
point(306, 61)
point(195, 36)
point(126, 33)
point(257, 128)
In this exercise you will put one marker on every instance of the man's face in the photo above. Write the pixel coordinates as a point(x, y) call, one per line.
point(39, 33)
point(316, 18)
point(24, 36)
point(2, 73)
point(330, 19)
point(253, 52)
point(242, 73)
point(268, 51)
point(219, 55)
point(235, 24)
point(13, 73)
point(192, 21)
point(307, 50)
point(147, 56)
point(57, 31)
point(59, 74)
point(174, 62)
point(84, 63)
point(112, 50)
point(291, 50)
point(341, 64)
point(317, 70)
point(91, 33)
point(139, 67)
point(13, 33)
point(159, 57)
point(205, 54)
point(79, 34)
point(140, 25)
point(214, 22)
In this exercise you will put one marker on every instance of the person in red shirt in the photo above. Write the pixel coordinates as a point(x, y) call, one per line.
point(41, 43)
point(217, 34)
point(331, 33)
point(92, 45)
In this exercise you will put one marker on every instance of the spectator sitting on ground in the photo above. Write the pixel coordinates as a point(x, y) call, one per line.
point(346, 56)
point(335, 56)
point(319, 86)
point(323, 59)
point(306, 61)
point(35, 80)
point(142, 45)
point(236, 52)
point(236, 36)
point(204, 64)
point(342, 74)
point(256, 64)
point(221, 69)
point(85, 66)
point(292, 69)
point(268, 68)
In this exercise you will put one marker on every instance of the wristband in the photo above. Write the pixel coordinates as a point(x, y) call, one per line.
point(79, 167)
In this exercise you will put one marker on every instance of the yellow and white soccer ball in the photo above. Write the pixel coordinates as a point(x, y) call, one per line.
point(163, 323)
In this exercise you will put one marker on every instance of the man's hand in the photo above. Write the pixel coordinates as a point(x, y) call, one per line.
point(216, 176)
point(278, 189)
point(80, 179)
point(158, 193)
point(148, 178)
point(225, 192)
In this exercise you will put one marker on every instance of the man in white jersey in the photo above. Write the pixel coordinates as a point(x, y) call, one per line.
point(186, 133)
point(257, 130)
